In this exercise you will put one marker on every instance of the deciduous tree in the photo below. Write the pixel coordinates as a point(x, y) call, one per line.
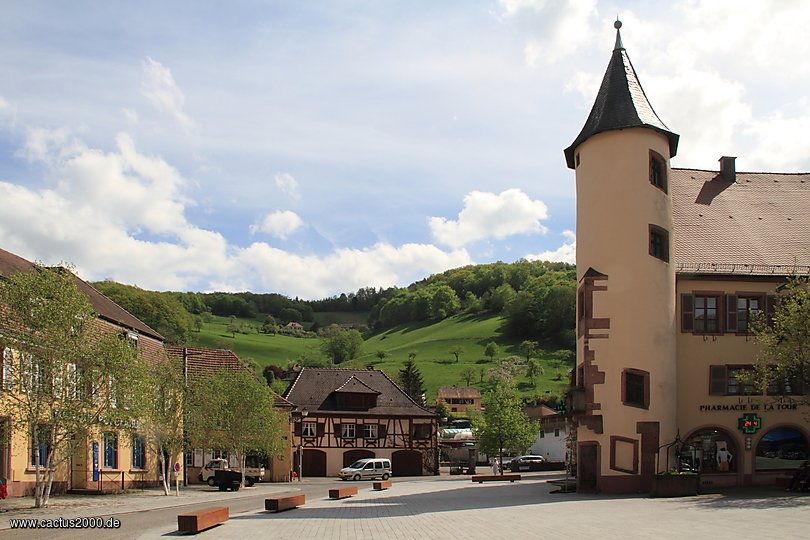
point(233, 410)
point(784, 360)
point(340, 345)
point(492, 350)
point(67, 375)
point(457, 350)
point(503, 425)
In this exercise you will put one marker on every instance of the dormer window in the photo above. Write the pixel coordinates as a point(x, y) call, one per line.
point(658, 171)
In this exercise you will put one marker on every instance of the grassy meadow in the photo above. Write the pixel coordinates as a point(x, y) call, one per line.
point(431, 342)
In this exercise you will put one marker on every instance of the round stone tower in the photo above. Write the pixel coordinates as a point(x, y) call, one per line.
point(624, 397)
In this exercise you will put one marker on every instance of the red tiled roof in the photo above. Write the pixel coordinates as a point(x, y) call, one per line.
point(103, 306)
point(758, 225)
point(460, 392)
point(202, 362)
point(314, 389)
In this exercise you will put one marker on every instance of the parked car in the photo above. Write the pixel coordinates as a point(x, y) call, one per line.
point(526, 463)
point(252, 474)
point(367, 468)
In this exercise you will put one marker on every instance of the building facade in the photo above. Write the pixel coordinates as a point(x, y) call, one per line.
point(200, 362)
point(672, 265)
point(342, 415)
point(458, 399)
point(111, 458)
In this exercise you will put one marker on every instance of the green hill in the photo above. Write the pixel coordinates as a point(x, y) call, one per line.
point(431, 343)
point(263, 348)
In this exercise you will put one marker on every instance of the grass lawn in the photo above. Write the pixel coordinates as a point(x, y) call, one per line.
point(263, 348)
point(431, 342)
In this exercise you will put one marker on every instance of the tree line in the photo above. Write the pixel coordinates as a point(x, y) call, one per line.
point(536, 298)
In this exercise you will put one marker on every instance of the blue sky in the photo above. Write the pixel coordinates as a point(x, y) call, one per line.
point(312, 148)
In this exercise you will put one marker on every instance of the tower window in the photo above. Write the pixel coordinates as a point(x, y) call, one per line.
point(658, 171)
point(659, 243)
point(636, 388)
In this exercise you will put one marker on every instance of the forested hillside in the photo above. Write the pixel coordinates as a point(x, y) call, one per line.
point(535, 298)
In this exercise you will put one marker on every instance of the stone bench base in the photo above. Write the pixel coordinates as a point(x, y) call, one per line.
point(384, 484)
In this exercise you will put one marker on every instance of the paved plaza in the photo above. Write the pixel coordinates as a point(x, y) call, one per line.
point(457, 508)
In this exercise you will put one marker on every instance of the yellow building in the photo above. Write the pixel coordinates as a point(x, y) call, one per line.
point(672, 264)
point(110, 459)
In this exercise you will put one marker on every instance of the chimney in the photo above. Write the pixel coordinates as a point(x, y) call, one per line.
point(728, 170)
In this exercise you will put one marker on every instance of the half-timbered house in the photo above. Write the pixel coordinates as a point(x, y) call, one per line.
point(342, 415)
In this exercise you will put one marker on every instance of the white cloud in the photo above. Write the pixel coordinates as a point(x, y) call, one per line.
point(487, 215)
point(161, 90)
point(381, 265)
point(280, 224)
point(130, 114)
point(565, 253)
point(287, 184)
point(121, 215)
point(557, 29)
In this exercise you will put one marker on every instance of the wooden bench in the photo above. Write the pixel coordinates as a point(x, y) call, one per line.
point(495, 478)
point(342, 493)
point(283, 502)
point(384, 484)
point(203, 519)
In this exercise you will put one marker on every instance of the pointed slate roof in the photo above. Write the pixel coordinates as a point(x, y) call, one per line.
point(620, 104)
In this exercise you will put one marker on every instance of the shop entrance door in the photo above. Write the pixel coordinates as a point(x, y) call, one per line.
point(588, 467)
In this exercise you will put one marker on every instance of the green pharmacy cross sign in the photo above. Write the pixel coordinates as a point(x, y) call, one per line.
point(749, 423)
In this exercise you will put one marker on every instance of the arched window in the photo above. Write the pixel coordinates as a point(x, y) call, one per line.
point(781, 448)
point(710, 450)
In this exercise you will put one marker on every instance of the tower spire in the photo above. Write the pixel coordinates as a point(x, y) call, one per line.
point(620, 103)
point(617, 25)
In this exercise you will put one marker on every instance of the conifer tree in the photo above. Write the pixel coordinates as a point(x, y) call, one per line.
point(411, 380)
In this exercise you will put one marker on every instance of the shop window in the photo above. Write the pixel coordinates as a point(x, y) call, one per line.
point(781, 448)
point(636, 388)
point(110, 450)
point(709, 451)
point(658, 171)
point(138, 452)
point(659, 243)
point(40, 445)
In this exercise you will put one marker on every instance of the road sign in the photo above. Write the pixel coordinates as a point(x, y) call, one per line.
point(177, 467)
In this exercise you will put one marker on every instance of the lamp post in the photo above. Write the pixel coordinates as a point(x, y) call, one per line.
point(304, 414)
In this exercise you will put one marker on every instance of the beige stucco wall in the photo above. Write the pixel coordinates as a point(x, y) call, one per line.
point(696, 353)
point(615, 206)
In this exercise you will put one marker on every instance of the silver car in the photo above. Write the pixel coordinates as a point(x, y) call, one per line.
point(367, 468)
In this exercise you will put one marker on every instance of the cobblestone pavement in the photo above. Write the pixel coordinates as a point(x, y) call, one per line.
point(449, 507)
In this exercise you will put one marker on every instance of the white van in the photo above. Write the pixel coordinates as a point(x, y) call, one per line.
point(367, 468)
